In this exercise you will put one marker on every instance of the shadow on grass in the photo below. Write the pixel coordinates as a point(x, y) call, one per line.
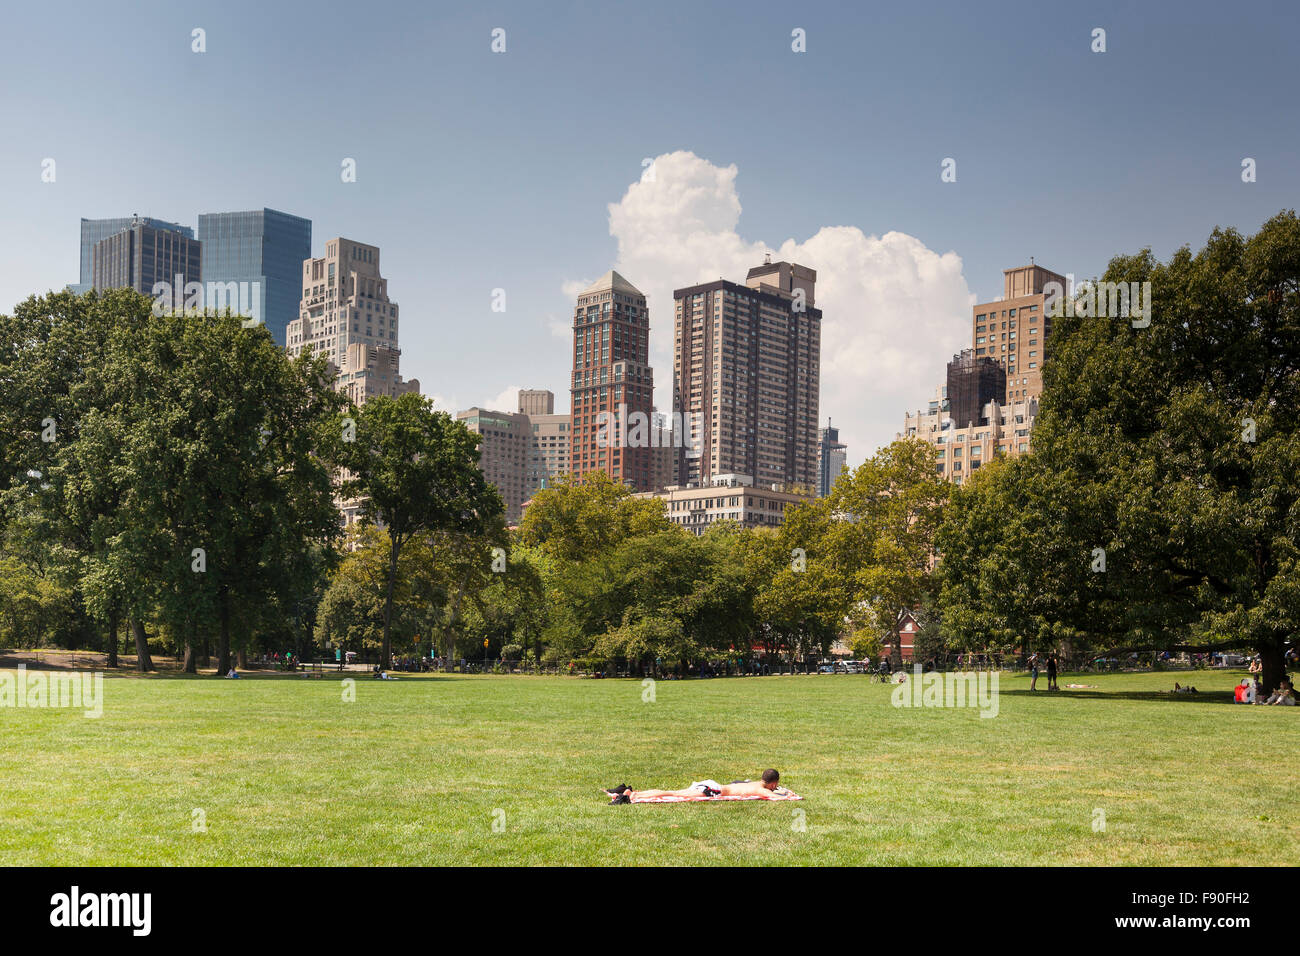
point(1200, 697)
point(257, 676)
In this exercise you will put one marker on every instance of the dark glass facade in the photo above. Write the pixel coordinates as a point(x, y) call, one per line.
point(832, 454)
point(973, 382)
point(262, 246)
point(93, 230)
point(140, 257)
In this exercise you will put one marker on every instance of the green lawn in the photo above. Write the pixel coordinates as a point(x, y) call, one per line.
point(414, 771)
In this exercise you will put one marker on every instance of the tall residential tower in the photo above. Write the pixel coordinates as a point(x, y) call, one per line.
point(989, 403)
point(613, 385)
point(746, 377)
point(1012, 330)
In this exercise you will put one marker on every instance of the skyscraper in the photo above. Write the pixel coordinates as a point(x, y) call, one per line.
point(265, 249)
point(141, 256)
point(503, 453)
point(548, 447)
point(613, 385)
point(1012, 331)
point(345, 314)
point(746, 376)
point(93, 230)
point(988, 405)
point(831, 458)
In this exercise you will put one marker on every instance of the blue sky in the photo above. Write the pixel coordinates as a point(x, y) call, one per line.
point(479, 171)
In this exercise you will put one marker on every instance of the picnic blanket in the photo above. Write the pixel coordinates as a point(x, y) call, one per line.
point(788, 795)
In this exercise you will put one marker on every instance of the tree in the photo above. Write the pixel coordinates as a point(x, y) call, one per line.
point(50, 388)
point(213, 433)
point(801, 595)
point(890, 507)
point(169, 461)
point(1008, 566)
point(1160, 508)
point(351, 612)
point(417, 471)
point(575, 521)
point(509, 609)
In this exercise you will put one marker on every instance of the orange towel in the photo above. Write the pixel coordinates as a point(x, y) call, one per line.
point(788, 795)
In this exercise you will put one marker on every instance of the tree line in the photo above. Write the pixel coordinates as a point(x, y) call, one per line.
point(176, 478)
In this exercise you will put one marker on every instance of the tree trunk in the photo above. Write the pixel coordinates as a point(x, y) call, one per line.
point(386, 652)
point(241, 656)
point(112, 638)
point(1273, 666)
point(223, 641)
point(205, 660)
point(191, 659)
point(143, 662)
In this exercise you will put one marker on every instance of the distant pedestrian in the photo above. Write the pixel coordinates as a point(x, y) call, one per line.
point(1051, 673)
point(1033, 672)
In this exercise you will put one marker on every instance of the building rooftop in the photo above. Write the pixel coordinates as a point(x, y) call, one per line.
point(612, 280)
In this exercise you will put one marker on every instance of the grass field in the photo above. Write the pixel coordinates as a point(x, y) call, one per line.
point(416, 772)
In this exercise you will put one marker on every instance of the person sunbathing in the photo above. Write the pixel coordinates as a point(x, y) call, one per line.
point(768, 785)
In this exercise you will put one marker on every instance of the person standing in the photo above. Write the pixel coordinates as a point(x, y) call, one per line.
point(1051, 673)
point(1033, 671)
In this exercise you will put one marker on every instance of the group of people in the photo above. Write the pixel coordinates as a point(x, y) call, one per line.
point(1035, 663)
point(1283, 696)
point(970, 661)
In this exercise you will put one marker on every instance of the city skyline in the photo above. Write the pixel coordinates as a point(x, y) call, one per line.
point(695, 175)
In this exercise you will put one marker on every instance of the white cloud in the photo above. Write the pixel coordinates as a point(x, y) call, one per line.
point(894, 310)
point(561, 326)
point(506, 401)
point(443, 403)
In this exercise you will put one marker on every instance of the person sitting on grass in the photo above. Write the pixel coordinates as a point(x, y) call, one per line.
point(1284, 695)
point(770, 783)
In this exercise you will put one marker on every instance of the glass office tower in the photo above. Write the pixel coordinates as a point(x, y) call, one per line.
point(265, 249)
point(140, 257)
point(93, 230)
point(832, 455)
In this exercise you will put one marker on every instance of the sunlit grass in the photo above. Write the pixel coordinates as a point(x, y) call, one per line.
point(417, 771)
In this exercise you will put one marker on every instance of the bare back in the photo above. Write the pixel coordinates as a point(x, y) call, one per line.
point(750, 788)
